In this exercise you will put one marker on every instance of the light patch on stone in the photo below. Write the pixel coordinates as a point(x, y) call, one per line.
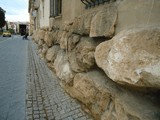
point(138, 71)
point(66, 69)
point(153, 69)
point(122, 39)
point(118, 57)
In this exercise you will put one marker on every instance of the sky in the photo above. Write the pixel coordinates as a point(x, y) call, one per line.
point(16, 10)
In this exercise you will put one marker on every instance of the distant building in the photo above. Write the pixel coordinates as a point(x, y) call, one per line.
point(45, 13)
point(15, 26)
point(12, 25)
point(19, 24)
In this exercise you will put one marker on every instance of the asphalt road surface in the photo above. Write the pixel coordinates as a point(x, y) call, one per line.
point(13, 67)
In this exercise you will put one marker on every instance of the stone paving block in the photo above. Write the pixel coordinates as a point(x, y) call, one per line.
point(43, 115)
point(70, 118)
point(36, 116)
point(29, 111)
point(29, 117)
point(42, 118)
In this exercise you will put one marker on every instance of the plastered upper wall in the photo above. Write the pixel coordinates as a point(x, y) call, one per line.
point(137, 13)
point(44, 12)
point(70, 10)
point(131, 13)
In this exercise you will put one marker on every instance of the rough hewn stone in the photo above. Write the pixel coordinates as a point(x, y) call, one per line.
point(49, 39)
point(81, 25)
point(67, 26)
point(55, 36)
point(89, 88)
point(72, 42)
point(52, 53)
point(40, 43)
point(62, 68)
point(41, 34)
point(132, 57)
point(108, 101)
point(35, 36)
point(103, 23)
point(44, 50)
point(81, 58)
point(58, 36)
point(64, 39)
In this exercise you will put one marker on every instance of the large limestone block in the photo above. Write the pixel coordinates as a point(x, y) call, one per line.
point(89, 88)
point(87, 23)
point(108, 101)
point(64, 39)
point(67, 26)
point(103, 23)
point(41, 34)
point(62, 68)
point(44, 50)
point(55, 36)
point(81, 58)
point(40, 44)
point(49, 39)
point(132, 57)
point(72, 42)
point(82, 24)
point(52, 53)
point(35, 36)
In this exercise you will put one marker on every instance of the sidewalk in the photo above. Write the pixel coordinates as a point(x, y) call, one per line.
point(45, 99)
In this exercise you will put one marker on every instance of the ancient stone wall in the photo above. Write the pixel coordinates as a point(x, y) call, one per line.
point(116, 76)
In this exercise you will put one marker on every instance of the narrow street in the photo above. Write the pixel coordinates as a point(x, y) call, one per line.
point(13, 64)
point(28, 89)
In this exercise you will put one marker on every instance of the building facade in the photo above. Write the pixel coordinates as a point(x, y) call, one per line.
point(45, 13)
point(104, 52)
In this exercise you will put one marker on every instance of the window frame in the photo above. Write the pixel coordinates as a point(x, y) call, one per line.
point(55, 8)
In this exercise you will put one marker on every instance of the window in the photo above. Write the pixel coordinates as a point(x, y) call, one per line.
point(55, 8)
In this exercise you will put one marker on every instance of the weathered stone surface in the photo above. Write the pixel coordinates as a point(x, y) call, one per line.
point(64, 39)
point(52, 53)
point(55, 36)
point(72, 41)
point(86, 19)
point(35, 36)
point(49, 39)
point(132, 57)
point(81, 25)
point(51, 66)
point(81, 58)
point(44, 50)
point(58, 36)
point(67, 26)
point(77, 25)
point(62, 68)
point(40, 44)
point(103, 23)
point(89, 88)
point(137, 16)
point(108, 101)
point(41, 34)
point(39, 51)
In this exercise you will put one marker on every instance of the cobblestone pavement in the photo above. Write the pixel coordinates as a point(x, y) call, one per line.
point(45, 99)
